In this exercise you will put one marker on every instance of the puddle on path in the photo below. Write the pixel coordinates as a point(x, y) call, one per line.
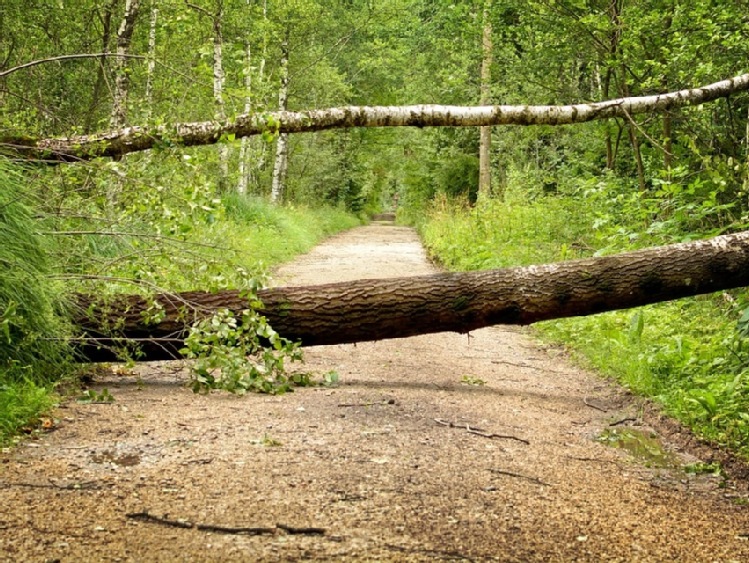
point(642, 445)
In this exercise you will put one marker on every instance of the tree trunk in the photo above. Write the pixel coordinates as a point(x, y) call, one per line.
point(218, 96)
point(282, 145)
point(106, 22)
point(124, 36)
point(132, 139)
point(395, 308)
point(485, 140)
point(151, 60)
point(244, 151)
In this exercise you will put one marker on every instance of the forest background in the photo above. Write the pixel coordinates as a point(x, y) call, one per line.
point(174, 218)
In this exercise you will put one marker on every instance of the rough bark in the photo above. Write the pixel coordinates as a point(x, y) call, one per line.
point(395, 308)
point(132, 139)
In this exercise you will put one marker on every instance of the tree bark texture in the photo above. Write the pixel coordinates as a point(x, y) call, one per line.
point(124, 37)
point(401, 307)
point(132, 139)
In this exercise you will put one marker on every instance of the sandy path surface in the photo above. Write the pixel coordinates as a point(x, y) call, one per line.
point(440, 447)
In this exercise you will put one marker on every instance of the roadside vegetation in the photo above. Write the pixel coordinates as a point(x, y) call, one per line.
point(691, 355)
point(57, 239)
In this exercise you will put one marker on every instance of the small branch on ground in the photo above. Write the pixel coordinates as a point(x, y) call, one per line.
point(591, 459)
point(623, 420)
point(85, 486)
point(247, 531)
point(593, 405)
point(520, 476)
point(479, 432)
point(368, 404)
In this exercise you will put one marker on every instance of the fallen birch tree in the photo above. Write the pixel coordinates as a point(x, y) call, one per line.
point(395, 308)
point(120, 142)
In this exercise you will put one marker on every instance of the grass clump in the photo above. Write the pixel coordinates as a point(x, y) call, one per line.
point(31, 312)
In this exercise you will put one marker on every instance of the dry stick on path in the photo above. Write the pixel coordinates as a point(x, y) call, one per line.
point(119, 142)
point(248, 531)
point(520, 476)
point(479, 432)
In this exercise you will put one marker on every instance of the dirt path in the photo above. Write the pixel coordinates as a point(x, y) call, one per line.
point(439, 447)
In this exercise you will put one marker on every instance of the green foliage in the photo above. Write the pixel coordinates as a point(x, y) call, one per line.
point(21, 401)
point(241, 353)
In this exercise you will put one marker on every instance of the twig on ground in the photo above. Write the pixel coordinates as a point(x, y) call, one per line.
point(527, 366)
point(593, 405)
point(623, 420)
point(591, 459)
point(368, 404)
point(85, 486)
point(520, 476)
point(248, 531)
point(480, 432)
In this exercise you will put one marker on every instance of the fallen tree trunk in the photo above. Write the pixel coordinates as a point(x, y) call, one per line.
point(120, 142)
point(395, 308)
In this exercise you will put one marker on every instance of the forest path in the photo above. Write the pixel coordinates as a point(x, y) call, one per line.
point(437, 447)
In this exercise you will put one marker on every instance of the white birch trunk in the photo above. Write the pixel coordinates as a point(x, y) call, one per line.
point(132, 139)
point(151, 67)
point(218, 96)
point(124, 35)
point(282, 147)
point(244, 151)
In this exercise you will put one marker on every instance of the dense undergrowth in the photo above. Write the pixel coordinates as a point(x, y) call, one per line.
point(688, 355)
point(94, 230)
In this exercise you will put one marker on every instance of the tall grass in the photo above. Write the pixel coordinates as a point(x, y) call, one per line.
point(31, 311)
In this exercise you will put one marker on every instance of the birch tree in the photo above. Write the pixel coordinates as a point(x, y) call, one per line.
point(246, 152)
point(282, 144)
point(151, 61)
point(216, 18)
point(124, 37)
point(132, 139)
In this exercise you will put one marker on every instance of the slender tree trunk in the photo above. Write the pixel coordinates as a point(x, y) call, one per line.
point(634, 140)
point(218, 95)
point(118, 118)
point(610, 61)
point(667, 121)
point(746, 147)
point(395, 308)
point(247, 151)
point(150, 68)
point(485, 141)
point(282, 148)
point(244, 151)
point(106, 21)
